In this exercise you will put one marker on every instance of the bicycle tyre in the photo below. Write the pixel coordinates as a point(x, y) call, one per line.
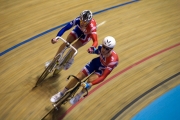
point(45, 73)
point(68, 95)
point(64, 99)
point(58, 104)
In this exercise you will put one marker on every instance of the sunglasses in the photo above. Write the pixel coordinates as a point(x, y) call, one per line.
point(106, 48)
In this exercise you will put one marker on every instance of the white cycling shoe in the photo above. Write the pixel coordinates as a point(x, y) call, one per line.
point(48, 63)
point(68, 64)
point(56, 97)
point(75, 99)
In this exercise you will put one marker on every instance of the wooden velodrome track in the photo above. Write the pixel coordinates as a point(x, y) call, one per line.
point(148, 45)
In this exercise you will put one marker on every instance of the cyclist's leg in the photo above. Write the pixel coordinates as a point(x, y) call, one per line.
point(71, 84)
point(77, 97)
point(73, 81)
point(97, 69)
point(83, 39)
point(93, 77)
point(75, 34)
point(79, 43)
point(70, 38)
point(70, 61)
point(87, 70)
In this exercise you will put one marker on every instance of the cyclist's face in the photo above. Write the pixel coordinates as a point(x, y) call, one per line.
point(105, 50)
point(83, 23)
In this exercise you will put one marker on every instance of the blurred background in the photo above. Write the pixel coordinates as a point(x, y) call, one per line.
point(148, 46)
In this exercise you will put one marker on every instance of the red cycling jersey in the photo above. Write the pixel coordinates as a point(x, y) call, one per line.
point(90, 32)
point(109, 64)
point(101, 65)
point(85, 34)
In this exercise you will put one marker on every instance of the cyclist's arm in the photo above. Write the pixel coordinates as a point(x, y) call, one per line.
point(106, 72)
point(94, 39)
point(100, 79)
point(96, 50)
point(67, 27)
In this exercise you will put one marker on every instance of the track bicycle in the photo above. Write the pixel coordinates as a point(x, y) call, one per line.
point(68, 95)
point(58, 62)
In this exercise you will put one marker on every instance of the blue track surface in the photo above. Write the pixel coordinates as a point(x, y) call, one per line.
point(166, 107)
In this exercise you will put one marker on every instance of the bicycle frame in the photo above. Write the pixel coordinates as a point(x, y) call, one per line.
point(71, 92)
point(60, 55)
point(57, 62)
point(68, 95)
point(67, 46)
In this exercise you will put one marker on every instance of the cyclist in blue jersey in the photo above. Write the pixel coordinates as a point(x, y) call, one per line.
point(98, 69)
point(84, 31)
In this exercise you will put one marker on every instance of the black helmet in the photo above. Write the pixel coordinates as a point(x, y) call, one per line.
point(86, 15)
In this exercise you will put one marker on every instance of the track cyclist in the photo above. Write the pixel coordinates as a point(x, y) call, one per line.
point(100, 67)
point(84, 31)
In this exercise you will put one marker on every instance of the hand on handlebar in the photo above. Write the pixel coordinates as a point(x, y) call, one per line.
point(54, 40)
point(91, 50)
point(86, 85)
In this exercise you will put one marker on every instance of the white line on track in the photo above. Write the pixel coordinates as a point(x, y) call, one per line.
point(101, 23)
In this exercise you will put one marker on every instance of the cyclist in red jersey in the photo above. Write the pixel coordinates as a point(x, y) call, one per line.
point(102, 66)
point(84, 31)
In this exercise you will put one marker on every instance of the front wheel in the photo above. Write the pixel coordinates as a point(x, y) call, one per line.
point(61, 63)
point(57, 71)
point(63, 100)
point(45, 73)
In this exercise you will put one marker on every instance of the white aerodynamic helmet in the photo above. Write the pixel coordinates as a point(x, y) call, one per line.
point(109, 42)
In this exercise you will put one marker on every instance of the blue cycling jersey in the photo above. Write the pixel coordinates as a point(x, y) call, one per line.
point(69, 26)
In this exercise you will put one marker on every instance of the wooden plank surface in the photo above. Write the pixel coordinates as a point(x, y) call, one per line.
point(141, 29)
